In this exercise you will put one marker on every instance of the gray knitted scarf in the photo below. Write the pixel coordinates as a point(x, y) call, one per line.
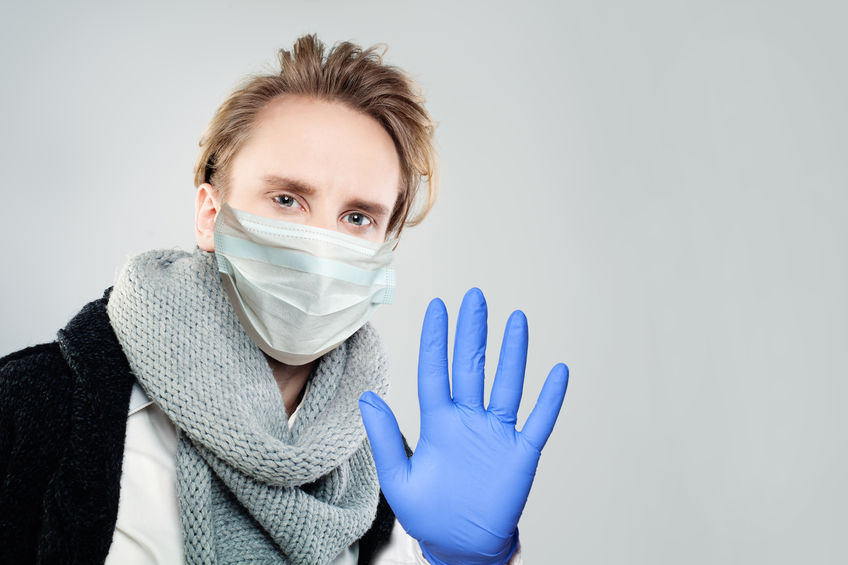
point(250, 490)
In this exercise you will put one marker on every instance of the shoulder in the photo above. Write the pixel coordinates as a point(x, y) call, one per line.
point(63, 413)
point(41, 357)
point(40, 373)
point(80, 374)
point(31, 354)
point(32, 382)
point(38, 383)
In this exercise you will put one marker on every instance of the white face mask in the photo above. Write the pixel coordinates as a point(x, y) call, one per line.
point(299, 291)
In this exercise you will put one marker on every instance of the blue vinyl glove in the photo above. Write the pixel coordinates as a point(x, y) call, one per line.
point(464, 488)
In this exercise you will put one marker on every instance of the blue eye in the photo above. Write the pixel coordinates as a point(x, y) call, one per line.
point(358, 219)
point(286, 201)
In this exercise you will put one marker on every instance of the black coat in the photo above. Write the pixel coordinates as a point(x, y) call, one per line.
point(63, 419)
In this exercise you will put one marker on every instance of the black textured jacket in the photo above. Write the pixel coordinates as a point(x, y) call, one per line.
point(63, 419)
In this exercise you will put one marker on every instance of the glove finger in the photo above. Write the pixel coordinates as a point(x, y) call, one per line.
point(386, 441)
point(433, 378)
point(541, 421)
point(509, 378)
point(469, 351)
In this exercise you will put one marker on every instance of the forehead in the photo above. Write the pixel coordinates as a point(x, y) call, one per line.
point(326, 144)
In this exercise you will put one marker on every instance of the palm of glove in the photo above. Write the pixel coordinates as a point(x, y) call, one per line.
point(472, 467)
point(462, 492)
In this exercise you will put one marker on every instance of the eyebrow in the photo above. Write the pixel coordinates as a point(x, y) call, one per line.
point(291, 184)
point(374, 208)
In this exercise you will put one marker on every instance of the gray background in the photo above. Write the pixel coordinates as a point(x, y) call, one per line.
point(659, 185)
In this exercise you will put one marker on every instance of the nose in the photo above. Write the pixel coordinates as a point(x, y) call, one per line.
point(323, 219)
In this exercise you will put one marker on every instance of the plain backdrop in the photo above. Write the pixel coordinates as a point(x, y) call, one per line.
point(660, 186)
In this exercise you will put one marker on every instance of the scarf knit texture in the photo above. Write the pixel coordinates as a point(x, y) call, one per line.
point(250, 490)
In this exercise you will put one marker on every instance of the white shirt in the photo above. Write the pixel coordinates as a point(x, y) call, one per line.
point(148, 530)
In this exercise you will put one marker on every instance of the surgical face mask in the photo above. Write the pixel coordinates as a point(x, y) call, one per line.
point(299, 291)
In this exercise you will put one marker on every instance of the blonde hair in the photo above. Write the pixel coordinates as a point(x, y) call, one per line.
point(347, 74)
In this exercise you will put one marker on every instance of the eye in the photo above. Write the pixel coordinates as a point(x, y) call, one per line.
point(287, 201)
point(358, 219)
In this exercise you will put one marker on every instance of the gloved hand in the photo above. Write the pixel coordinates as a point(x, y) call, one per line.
point(464, 488)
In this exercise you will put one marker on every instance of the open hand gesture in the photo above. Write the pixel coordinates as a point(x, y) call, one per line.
point(464, 488)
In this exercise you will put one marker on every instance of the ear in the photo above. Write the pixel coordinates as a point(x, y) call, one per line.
point(206, 208)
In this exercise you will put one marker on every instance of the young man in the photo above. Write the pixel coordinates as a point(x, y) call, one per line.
point(210, 407)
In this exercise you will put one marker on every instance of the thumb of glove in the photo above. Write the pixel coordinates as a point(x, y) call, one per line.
point(386, 442)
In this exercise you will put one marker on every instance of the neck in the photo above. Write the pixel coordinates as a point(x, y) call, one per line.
point(290, 380)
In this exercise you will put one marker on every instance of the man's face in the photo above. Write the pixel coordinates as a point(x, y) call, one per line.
point(312, 162)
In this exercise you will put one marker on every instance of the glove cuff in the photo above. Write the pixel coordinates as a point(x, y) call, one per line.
point(447, 558)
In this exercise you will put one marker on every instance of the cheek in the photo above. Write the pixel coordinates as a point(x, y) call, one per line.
point(377, 237)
